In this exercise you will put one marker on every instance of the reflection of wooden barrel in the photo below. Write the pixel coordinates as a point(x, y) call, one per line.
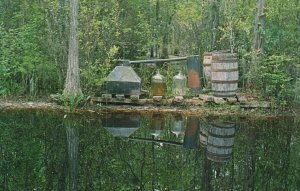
point(220, 142)
point(191, 132)
point(203, 134)
point(224, 74)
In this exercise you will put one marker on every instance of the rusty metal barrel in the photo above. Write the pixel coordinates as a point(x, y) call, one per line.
point(194, 70)
point(220, 141)
point(224, 74)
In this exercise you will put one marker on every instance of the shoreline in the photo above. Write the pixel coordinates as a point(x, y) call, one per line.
point(234, 111)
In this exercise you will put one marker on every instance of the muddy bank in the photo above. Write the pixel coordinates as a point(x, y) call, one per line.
point(16, 105)
point(186, 109)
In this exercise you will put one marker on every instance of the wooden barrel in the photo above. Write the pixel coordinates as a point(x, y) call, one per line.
point(224, 74)
point(220, 142)
point(207, 57)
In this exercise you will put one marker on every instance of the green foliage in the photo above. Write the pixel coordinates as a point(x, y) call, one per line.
point(34, 41)
point(276, 81)
point(23, 61)
point(297, 91)
point(71, 102)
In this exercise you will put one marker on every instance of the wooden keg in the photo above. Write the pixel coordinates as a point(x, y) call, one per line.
point(207, 57)
point(224, 74)
point(220, 142)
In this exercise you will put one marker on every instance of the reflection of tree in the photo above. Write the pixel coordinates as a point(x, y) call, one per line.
point(34, 155)
point(72, 138)
point(25, 142)
point(206, 173)
point(55, 156)
point(271, 167)
point(250, 160)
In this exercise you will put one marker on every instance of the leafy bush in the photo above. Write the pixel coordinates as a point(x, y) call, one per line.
point(276, 78)
point(71, 102)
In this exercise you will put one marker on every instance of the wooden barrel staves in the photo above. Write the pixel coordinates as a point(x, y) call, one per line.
point(220, 142)
point(224, 74)
point(207, 57)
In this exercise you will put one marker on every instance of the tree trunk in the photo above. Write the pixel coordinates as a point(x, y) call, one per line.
point(215, 23)
point(157, 27)
point(259, 27)
point(257, 46)
point(72, 83)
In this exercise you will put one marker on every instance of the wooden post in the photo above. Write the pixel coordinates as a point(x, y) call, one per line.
point(194, 71)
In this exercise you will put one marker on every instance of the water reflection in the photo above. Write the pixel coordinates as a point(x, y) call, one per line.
point(220, 141)
point(121, 124)
point(157, 124)
point(73, 139)
point(191, 134)
point(178, 125)
point(43, 151)
point(203, 133)
point(216, 137)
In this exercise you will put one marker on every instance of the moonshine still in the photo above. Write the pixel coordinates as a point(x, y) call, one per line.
point(123, 80)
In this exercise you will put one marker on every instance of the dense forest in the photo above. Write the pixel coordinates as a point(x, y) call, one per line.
point(34, 41)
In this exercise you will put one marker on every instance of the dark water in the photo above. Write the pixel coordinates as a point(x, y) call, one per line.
point(52, 151)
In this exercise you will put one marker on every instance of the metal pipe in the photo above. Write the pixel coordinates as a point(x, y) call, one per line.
point(157, 60)
point(155, 141)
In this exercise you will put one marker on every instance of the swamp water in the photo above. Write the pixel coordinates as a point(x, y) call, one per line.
point(57, 151)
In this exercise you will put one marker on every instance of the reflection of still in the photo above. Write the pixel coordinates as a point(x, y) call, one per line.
point(157, 125)
point(178, 125)
point(121, 124)
point(218, 138)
